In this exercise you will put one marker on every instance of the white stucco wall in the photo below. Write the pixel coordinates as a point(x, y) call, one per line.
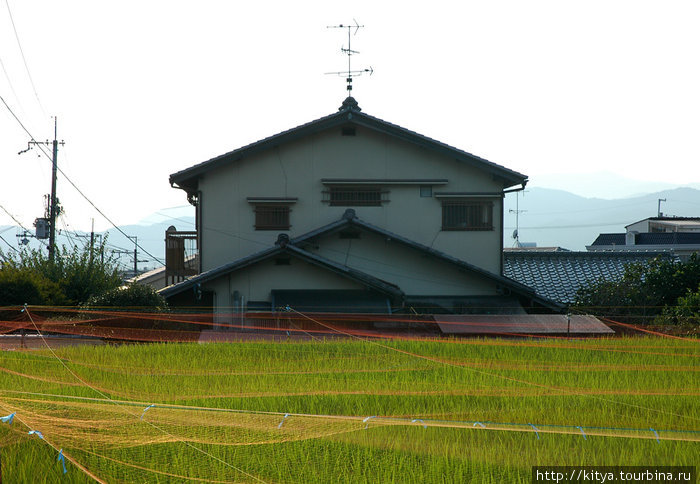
point(295, 170)
point(256, 282)
point(416, 273)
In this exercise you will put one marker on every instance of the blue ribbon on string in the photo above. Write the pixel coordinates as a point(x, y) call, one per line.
point(144, 410)
point(535, 429)
point(8, 418)
point(421, 421)
point(283, 419)
point(657, 435)
point(367, 418)
point(582, 432)
point(37, 433)
point(62, 460)
point(479, 423)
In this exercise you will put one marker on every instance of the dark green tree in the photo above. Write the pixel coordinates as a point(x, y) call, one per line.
point(644, 292)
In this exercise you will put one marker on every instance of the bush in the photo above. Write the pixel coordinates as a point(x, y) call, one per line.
point(18, 287)
point(70, 279)
point(134, 297)
point(644, 292)
point(686, 310)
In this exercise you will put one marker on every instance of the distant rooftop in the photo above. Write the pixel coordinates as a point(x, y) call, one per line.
point(653, 238)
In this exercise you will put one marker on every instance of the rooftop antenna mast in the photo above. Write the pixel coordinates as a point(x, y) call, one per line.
point(349, 74)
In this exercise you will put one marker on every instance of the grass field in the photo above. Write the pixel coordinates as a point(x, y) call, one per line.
point(480, 410)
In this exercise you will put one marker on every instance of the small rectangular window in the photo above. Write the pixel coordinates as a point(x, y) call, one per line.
point(272, 217)
point(467, 215)
point(426, 191)
point(348, 131)
point(361, 196)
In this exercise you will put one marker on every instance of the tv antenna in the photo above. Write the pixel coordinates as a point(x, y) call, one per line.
point(517, 212)
point(349, 74)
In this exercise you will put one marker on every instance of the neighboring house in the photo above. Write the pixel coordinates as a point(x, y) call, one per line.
point(351, 213)
point(558, 274)
point(678, 235)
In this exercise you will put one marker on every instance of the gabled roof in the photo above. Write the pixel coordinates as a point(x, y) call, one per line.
point(558, 275)
point(350, 219)
point(348, 114)
point(280, 248)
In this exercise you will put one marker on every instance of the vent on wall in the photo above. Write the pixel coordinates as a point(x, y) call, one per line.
point(348, 131)
point(283, 261)
point(349, 234)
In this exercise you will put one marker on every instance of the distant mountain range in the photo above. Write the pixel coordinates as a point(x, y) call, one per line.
point(551, 217)
point(548, 218)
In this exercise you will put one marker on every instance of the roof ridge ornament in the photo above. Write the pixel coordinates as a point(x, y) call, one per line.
point(349, 74)
point(349, 104)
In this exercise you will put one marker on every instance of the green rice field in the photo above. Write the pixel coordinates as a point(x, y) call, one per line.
point(397, 411)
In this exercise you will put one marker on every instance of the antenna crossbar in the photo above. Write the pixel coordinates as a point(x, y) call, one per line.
point(349, 74)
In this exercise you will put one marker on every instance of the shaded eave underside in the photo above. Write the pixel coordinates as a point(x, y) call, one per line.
point(187, 179)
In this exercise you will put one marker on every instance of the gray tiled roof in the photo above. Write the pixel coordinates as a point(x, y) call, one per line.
point(558, 275)
point(650, 238)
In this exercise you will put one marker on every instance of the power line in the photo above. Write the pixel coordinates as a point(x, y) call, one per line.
point(41, 148)
point(24, 59)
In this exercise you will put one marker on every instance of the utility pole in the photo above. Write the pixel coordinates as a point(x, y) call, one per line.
point(136, 254)
point(54, 206)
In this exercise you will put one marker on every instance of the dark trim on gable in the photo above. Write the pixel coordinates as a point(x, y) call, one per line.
point(350, 219)
point(188, 178)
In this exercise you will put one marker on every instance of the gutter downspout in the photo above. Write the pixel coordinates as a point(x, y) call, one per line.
point(503, 209)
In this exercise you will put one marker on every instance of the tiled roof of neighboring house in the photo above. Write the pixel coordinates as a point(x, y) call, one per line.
point(349, 113)
point(609, 239)
point(558, 275)
point(650, 238)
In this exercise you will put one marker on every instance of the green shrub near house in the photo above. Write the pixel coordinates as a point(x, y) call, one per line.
point(136, 297)
point(660, 291)
point(70, 279)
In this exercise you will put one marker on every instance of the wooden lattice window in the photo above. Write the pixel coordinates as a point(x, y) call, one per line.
point(359, 196)
point(467, 215)
point(272, 216)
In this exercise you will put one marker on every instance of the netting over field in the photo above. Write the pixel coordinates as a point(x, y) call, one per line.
point(331, 399)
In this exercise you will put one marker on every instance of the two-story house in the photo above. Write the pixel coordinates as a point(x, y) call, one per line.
point(351, 213)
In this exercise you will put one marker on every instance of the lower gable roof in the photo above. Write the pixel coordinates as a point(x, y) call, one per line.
point(293, 247)
point(283, 248)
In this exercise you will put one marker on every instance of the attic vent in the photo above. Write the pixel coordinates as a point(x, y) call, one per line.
point(349, 234)
point(283, 261)
point(348, 131)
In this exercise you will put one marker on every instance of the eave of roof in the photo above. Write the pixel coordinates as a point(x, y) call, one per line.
point(187, 178)
point(350, 219)
point(314, 259)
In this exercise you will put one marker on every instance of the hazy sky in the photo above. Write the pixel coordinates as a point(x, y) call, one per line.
point(143, 89)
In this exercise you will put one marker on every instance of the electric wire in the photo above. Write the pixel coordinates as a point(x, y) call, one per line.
point(24, 59)
point(41, 148)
